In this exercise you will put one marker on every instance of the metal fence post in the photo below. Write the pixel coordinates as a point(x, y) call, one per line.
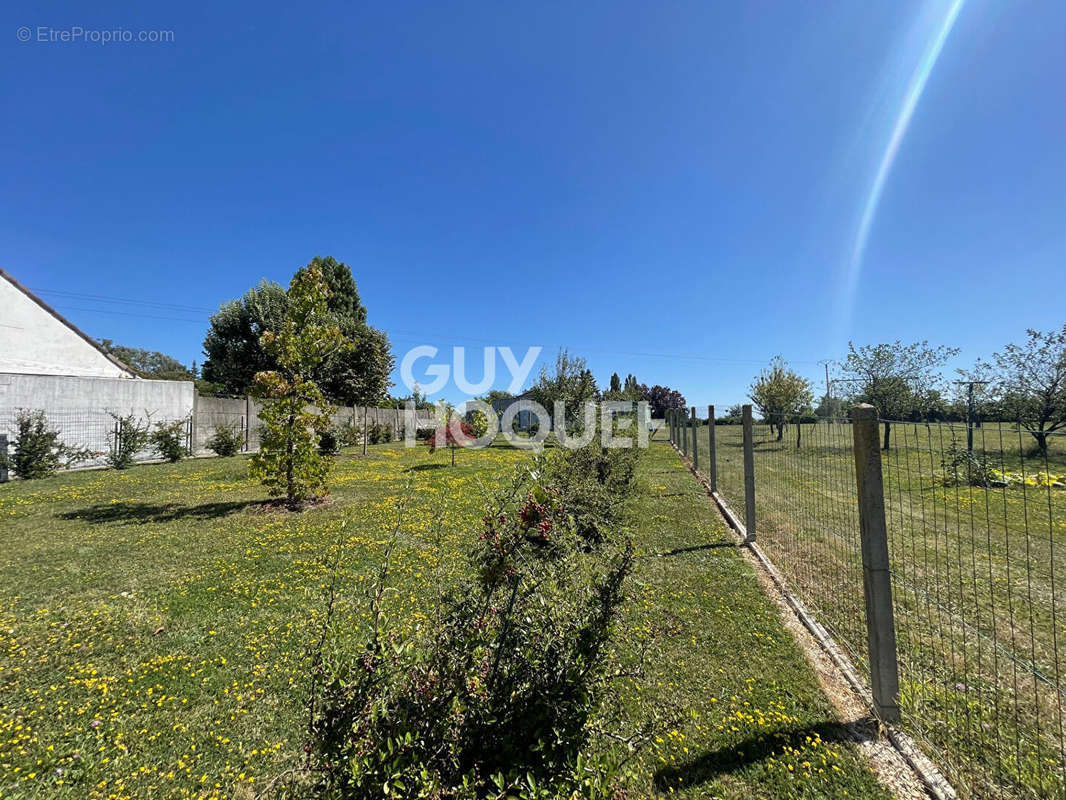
point(712, 458)
point(695, 442)
point(3, 458)
point(749, 475)
point(669, 426)
point(876, 577)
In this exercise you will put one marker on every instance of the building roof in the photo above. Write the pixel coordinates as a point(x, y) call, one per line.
point(96, 345)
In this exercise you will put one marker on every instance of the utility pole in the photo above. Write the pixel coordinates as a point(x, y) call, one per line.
point(827, 389)
point(970, 410)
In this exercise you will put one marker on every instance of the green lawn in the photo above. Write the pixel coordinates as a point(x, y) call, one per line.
point(154, 626)
point(977, 573)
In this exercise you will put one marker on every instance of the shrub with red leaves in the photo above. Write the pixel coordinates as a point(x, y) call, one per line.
point(444, 436)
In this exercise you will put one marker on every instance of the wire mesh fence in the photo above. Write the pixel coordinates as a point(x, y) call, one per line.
point(86, 429)
point(94, 430)
point(975, 540)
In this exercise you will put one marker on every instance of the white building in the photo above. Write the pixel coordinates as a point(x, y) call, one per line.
point(36, 340)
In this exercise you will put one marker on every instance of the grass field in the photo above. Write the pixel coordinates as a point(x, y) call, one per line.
point(977, 579)
point(154, 626)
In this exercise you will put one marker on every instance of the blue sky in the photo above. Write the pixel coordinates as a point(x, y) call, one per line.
point(669, 189)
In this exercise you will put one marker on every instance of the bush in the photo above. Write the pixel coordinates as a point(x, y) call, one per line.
point(594, 482)
point(966, 468)
point(328, 442)
point(379, 433)
point(227, 440)
point(349, 434)
point(169, 439)
point(479, 423)
point(129, 437)
point(38, 451)
point(497, 697)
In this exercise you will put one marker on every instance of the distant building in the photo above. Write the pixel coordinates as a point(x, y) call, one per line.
point(35, 339)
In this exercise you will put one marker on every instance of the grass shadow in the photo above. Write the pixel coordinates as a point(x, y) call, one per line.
point(680, 551)
point(424, 467)
point(725, 760)
point(131, 513)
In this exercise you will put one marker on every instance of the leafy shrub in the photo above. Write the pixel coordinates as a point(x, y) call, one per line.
point(349, 434)
point(169, 439)
point(328, 442)
point(479, 423)
point(421, 434)
point(496, 697)
point(227, 440)
point(379, 433)
point(966, 468)
point(38, 451)
point(129, 436)
point(594, 482)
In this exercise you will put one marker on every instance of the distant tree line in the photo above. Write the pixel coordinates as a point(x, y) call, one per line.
point(1022, 383)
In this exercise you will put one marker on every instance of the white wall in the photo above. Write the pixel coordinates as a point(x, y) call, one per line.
point(35, 342)
point(80, 407)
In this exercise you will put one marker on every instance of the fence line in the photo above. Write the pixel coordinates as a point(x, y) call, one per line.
point(93, 428)
point(975, 558)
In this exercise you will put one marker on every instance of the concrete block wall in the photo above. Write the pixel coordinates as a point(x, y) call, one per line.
point(81, 408)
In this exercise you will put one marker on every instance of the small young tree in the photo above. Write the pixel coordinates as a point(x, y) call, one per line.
point(294, 408)
point(1029, 381)
point(780, 393)
point(169, 439)
point(896, 378)
point(130, 435)
point(38, 450)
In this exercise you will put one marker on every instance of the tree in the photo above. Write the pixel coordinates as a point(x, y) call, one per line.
point(896, 378)
point(616, 383)
point(149, 363)
point(358, 375)
point(572, 383)
point(734, 415)
point(233, 348)
point(830, 407)
point(1029, 383)
point(779, 393)
point(294, 409)
point(661, 399)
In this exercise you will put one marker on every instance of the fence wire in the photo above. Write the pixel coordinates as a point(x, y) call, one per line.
point(976, 549)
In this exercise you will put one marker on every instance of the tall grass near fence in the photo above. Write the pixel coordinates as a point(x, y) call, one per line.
point(977, 541)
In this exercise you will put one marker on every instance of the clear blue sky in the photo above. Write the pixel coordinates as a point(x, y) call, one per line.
point(670, 189)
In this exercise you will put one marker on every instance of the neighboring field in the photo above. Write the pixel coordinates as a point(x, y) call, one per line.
point(977, 579)
point(154, 626)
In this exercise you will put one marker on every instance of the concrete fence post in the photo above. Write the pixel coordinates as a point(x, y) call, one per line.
point(365, 434)
point(712, 458)
point(194, 427)
point(876, 577)
point(247, 423)
point(695, 441)
point(684, 429)
point(3, 458)
point(673, 426)
point(749, 475)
